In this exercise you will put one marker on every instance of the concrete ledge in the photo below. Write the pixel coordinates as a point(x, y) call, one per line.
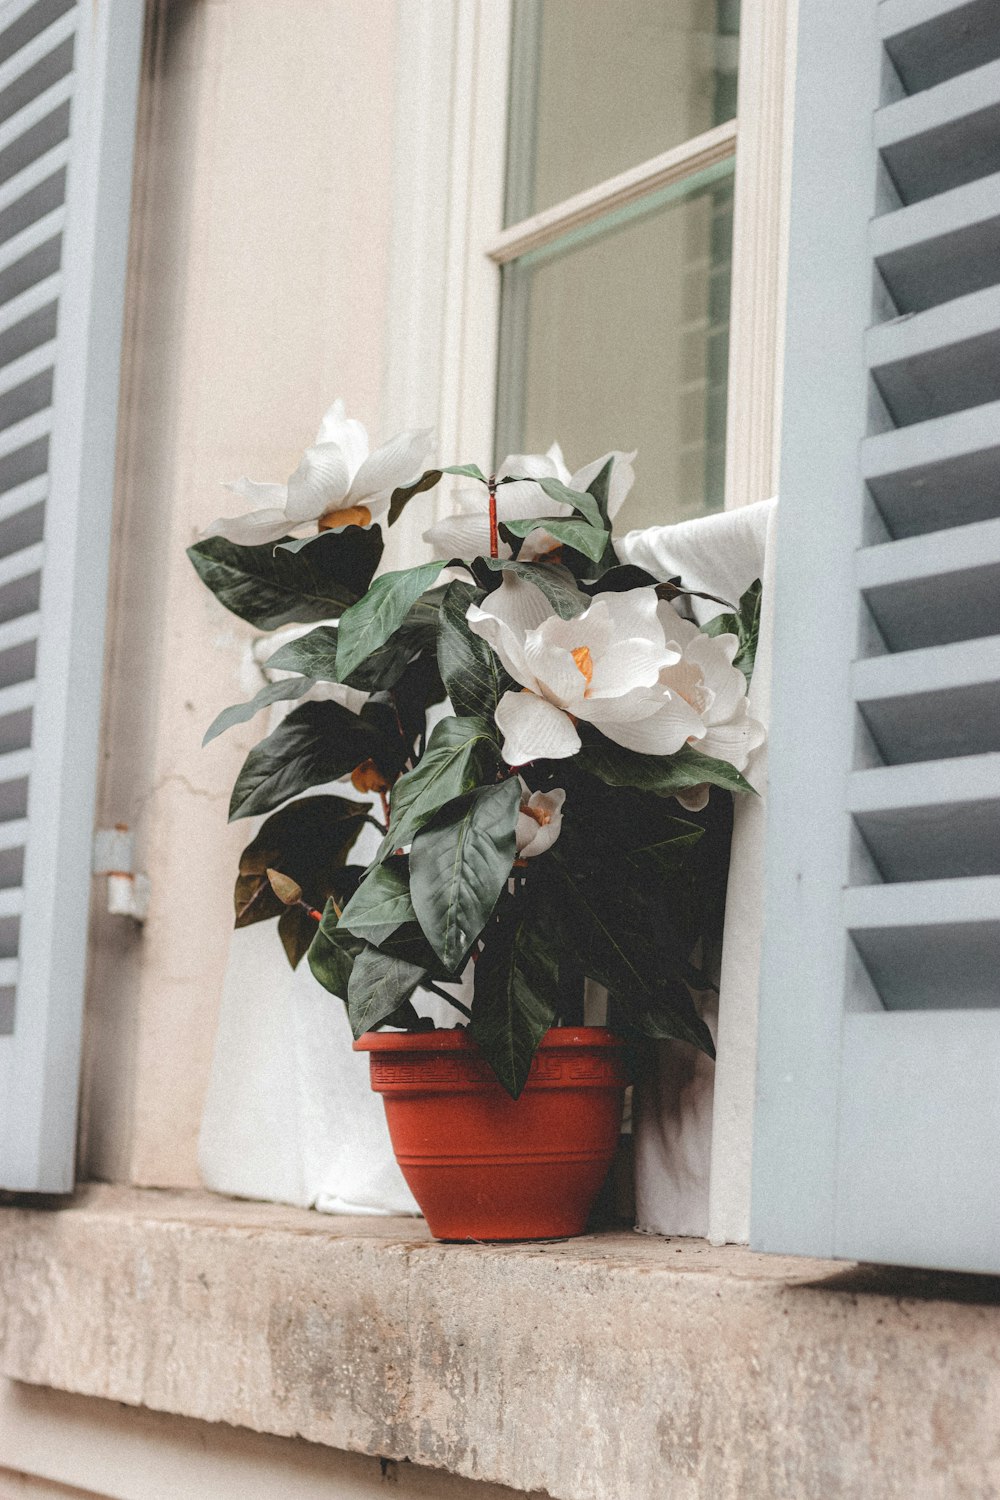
point(614, 1367)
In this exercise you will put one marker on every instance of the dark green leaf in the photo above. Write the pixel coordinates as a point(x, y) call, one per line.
point(271, 587)
point(580, 535)
point(745, 626)
point(296, 929)
point(472, 675)
point(460, 754)
point(668, 855)
point(273, 692)
point(619, 580)
point(671, 1016)
point(314, 654)
point(516, 996)
point(599, 488)
point(662, 774)
point(308, 841)
point(379, 985)
point(368, 624)
point(316, 743)
point(381, 904)
point(459, 864)
point(402, 497)
point(332, 954)
point(584, 505)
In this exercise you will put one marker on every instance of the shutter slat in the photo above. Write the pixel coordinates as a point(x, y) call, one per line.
point(36, 110)
point(22, 372)
point(49, 227)
point(940, 361)
point(930, 41)
point(933, 821)
point(27, 431)
point(944, 136)
point(33, 300)
point(21, 564)
point(33, 176)
point(944, 247)
point(39, 47)
point(911, 586)
point(8, 972)
point(13, 835)
point(944, 472)
point(934, 703)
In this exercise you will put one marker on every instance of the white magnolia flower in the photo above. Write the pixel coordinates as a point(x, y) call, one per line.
point(716, 690)
point(539, 821)
point(337, 483)
point(467, 532)
point(603, 665)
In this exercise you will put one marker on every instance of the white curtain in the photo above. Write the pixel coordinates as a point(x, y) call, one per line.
point(693, 1120)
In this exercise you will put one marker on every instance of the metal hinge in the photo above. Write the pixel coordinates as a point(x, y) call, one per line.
point(114, 858)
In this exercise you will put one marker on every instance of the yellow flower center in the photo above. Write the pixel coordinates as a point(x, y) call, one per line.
point(541, 815)
point(584, 662)
point(355, 515)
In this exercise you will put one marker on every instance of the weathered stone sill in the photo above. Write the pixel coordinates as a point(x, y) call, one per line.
point(615, 1367)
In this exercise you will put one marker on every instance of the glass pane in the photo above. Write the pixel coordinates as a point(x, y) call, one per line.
point(617, 336)
point(597, 87)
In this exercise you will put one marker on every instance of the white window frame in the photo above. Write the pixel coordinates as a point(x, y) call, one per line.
point(449, 204)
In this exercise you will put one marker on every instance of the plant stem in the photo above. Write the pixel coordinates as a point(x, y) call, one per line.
point(428, 984)
point(494, 533)
point(382, 827)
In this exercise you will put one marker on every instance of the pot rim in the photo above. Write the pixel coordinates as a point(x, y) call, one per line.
point(458, 1039)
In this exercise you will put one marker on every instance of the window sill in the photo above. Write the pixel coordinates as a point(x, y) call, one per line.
point(615, 1364)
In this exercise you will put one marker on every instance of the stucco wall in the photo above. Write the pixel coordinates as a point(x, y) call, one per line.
point(258, 291)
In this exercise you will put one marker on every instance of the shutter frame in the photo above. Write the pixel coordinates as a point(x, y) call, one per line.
point(39, 1060)
point(857, 1153)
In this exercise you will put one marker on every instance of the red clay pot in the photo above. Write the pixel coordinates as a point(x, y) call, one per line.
point(483, 1166)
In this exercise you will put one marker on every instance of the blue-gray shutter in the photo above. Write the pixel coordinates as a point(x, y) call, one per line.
point(877, 1134)
point(68, 83)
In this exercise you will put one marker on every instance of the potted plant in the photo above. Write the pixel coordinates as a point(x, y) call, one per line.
point(564, 817)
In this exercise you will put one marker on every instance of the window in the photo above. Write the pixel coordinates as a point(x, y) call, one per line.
point(616, 247)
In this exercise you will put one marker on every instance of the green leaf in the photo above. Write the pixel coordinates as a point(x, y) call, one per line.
point(459, 864)
point(296, 929)
point(273, 692)
point(662, 774)
point(745, 626)
point(667, 856)
point(618, 580)
point(381, 904)
point(584, 505)
point(315, 743)
point(671, 1016)
point(332, 954)
point(270, 586)
point(473, 677)
point(579, 535)
point(314, 654)
point(368, 624)
point(460, 754)
point(516, 997)
point(308, 841)
point(402, 497)
point(378, 986)
point(599, 488)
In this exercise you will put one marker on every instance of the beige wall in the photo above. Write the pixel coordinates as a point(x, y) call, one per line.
point(258, 292)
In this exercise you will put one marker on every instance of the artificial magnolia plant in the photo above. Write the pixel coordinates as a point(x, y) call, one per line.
point(567, 816)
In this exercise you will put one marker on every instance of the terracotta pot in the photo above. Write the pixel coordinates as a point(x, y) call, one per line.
point(483, 1166)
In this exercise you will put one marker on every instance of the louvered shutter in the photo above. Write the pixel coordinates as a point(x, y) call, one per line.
point(877, 1133)
point(68, 83)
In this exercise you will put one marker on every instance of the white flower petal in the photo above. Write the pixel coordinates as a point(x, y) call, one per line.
point(534, 729)
point(675, 627)
point(659, 733)
point(520, 604)
point(508, 644)
point(347, 432)
point(261, 495)
point(463, 536)
point(733, 742)
point(694, 798)
point(536, 835)
point(622, 478)
point(554, 670)
point(530, 465)
point(252, 530)
point(523, 500)
point(319, 484)
point(626, 665)
point(396, 463)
